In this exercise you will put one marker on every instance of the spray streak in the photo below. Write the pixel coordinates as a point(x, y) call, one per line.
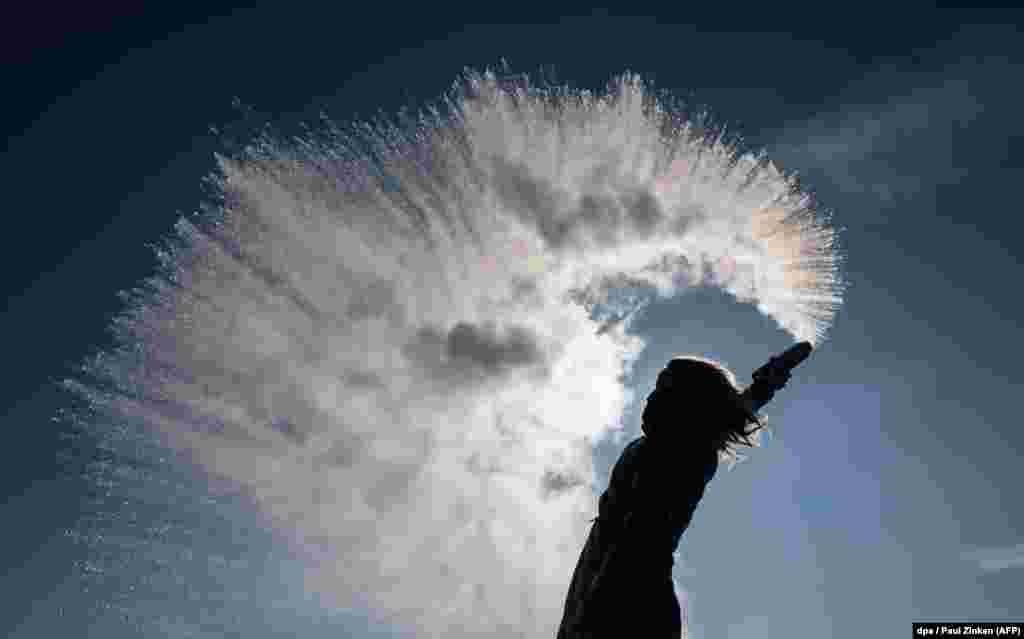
point(327, 338)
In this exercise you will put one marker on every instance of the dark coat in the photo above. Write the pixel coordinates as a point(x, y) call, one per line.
point(622, 584)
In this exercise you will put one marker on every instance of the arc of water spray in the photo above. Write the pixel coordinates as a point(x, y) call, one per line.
point(325, 338)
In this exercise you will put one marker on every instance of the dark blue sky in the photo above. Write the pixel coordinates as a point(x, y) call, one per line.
point(904, 448)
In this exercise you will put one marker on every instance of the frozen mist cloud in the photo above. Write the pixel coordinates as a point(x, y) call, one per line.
point(326, 335)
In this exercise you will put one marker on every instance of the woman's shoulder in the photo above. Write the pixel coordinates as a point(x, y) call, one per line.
point(672, 456)
point(649, 464)
point(672, 447)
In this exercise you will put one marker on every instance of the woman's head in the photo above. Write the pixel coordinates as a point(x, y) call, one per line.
point(698, 397)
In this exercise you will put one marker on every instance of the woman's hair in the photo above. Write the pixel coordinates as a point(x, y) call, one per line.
point(697, 396)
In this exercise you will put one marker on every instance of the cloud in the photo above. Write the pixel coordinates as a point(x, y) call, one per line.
point(555, 482)
point(483, 346)
point(604, 208)
point(470, 353)
point(996, 559)
point(895, 139)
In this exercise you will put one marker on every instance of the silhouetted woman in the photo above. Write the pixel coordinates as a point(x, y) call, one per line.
point(622, 585)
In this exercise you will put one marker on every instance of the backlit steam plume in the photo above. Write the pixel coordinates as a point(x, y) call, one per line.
point(349, 337)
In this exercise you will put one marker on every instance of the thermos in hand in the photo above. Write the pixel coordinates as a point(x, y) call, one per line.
point(774, 375)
